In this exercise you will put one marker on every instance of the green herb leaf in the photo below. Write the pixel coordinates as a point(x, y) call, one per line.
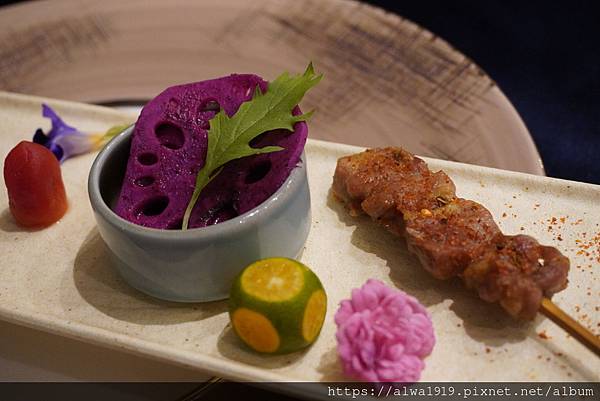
point(229, 138)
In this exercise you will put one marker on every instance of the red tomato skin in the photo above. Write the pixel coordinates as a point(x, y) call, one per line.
point(36, 193)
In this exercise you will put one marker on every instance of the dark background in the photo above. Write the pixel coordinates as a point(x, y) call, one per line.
point(544, 55)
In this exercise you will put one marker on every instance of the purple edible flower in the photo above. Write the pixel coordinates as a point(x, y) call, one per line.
point(63, 140)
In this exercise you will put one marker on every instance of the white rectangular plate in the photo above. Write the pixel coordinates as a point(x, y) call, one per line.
point(59, 279)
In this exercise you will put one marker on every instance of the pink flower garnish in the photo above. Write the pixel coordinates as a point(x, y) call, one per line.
point(383, 334)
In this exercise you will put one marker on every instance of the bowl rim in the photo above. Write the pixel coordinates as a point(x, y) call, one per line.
point(273, 205)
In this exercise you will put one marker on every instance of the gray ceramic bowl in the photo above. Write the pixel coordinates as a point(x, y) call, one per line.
point(199, 264)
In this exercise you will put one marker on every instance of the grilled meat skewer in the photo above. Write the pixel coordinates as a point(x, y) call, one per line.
point(450, 236)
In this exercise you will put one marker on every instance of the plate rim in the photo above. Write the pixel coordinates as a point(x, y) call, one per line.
point(534, 164)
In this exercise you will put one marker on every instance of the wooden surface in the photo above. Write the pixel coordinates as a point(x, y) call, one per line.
point(570, 325)
point(387, 81)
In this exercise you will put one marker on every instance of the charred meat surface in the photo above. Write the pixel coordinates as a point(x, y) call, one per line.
point(518, 272)
point(450, 236)
point(388, 183)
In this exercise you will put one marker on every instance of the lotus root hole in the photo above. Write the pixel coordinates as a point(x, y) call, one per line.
point(209, 105)
point(145, 181)
point(147, 159)
point(153, 206)
point(258, 172)
point(170, 136)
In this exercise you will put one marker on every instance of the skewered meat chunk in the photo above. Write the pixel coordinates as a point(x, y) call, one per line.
point(357, 175)
point(387, 183)
point(450, 236)
point(518, 272)
point(447, 239)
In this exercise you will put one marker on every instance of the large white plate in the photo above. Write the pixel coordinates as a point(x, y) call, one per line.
point(59, 279)
point(387, 80)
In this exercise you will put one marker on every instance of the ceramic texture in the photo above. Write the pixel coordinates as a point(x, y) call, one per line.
point(387, 81)
point(196, 265)
point(61, 279)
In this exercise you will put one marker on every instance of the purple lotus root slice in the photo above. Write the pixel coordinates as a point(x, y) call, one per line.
point(168, 148)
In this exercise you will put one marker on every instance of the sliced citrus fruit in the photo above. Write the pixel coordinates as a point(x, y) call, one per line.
point(277, 305)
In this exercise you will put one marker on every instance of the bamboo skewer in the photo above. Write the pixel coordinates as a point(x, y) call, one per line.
point(558, 316)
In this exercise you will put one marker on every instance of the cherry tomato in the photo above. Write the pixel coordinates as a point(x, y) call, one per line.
point(36, 193)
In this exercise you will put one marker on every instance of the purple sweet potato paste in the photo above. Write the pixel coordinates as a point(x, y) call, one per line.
point(168, 147)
